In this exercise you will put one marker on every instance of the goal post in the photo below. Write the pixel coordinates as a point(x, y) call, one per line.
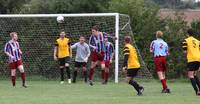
point(42, 25)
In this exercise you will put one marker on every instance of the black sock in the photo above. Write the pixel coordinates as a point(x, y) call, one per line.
point(135, 85)
point(62, 74)
point(197, 81)
point(85, 75)
point(74, 76)
point(194, 85)
point(68, 72)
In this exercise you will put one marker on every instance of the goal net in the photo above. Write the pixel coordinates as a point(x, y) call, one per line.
point(38, 32)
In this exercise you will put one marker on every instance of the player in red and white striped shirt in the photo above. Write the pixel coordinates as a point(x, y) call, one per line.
point(13, 51)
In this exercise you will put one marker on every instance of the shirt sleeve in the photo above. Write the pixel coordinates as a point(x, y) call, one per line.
point(184, 45)
point(74, 46)
point(112, 48)
point(88, 50)
point(6, 48)
point(126, 52)
point(91, 42)
point(152, 47)
point(56, 43)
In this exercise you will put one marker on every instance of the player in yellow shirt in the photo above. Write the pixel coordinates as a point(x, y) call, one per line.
point(191, 47)
point(62, 53)
point(131, 65)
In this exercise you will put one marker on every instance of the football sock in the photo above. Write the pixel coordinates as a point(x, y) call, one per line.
point(68, 72)
point(75, 75)
point(91, 73)
point(13, 79)
point(23, 77)
point(197, 81)
point(164, 83)
point(103, 74)
point(62, 74)
point(85, 75)
point(194, 85)
point(135, 85)
point(106, 76)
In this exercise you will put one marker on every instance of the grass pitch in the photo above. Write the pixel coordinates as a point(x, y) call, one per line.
point(51, 92)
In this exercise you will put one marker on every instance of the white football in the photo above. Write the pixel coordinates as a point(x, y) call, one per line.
point(60, 19)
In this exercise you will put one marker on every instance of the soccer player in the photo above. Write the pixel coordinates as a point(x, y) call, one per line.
point(131, 65)
point(191, 48)
point(108, 56)
point(160, 51)
point(62, 53)
point(96, 42)
point(82, 54)
point(13, 51)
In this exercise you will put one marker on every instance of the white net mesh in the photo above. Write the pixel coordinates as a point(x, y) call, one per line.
point(37, 36)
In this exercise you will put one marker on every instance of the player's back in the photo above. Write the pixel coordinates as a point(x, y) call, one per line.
point(133, 61)
point(193, 52)
point(159, 47)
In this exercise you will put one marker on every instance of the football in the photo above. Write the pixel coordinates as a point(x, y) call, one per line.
point(60, 19)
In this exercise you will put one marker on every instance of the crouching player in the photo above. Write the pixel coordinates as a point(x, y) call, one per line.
point(131, 65)
point(108, 56)
point(13, 51)
point(82, 54)
point(191, 48)
point(160, 51)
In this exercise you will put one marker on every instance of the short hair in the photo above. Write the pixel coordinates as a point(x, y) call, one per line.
point(159, 34)
point(81, 36)
point(191, 32)
point(95, 27)
point(127, 39)
point(12, 34)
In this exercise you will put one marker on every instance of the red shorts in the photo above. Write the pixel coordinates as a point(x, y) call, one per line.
point(160, 64)
point(96, 56)
point(107, 63)
point(15, 65)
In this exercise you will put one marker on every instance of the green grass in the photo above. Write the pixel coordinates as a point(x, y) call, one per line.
point(51, 92)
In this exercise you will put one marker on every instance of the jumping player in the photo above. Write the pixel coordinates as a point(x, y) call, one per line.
point(13, 51)
point(160, 51)
point(191, 48)
point(96, 42)
point(82, 54)
point(63, 51)
point(107, 61)
point(131, 65)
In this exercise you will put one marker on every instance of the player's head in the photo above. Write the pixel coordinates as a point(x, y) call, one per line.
point(159, 34)
point(82, 39)
point(127, 39)
point(95, 30)
point(14, 36)
point(190, 32)
point(62, 34)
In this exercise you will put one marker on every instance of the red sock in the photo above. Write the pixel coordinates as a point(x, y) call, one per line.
point(91, 73)
point(102, 74)
point(23, 77)
point(13, 79)
point(164, 83)
point(106, 76)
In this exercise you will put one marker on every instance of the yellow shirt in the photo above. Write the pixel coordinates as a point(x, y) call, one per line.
point(133, 61)
point(63, 47)
point(191, 45)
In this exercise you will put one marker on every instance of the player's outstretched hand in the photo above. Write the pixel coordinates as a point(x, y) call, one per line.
point(86, 59)
point(124, 69)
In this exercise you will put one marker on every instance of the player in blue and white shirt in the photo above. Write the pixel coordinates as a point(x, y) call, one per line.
point(160, 51)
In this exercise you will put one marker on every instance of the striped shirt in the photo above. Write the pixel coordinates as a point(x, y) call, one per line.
point(109, 49)
point(159, 48)
point(13, 49)
point(97, 42)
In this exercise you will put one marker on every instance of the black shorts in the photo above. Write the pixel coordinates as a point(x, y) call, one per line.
point(80, 64)
point(193, 66)
point(132, 72)
point(63, 61)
